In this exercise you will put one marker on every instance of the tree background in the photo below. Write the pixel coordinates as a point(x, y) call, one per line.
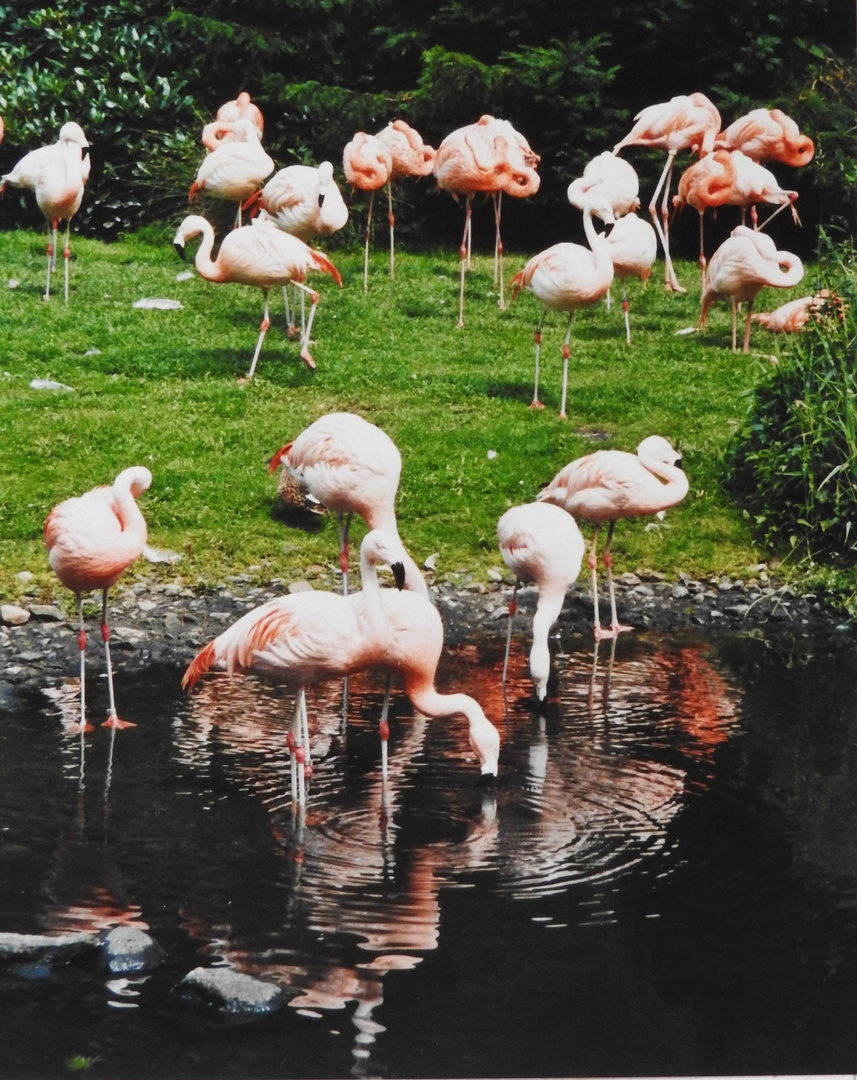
point(142, 76)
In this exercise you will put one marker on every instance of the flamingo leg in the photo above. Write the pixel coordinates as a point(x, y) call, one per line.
point(513, 606)
point(81, 641)
point(392, 220)
point(535, 403)
point(384, 726)
point(498, 247)
point(615, 626)
point(263, 329)
point(747, 326)
point(112, 720)
point(734, 324)
point(702, 260)
point(661, 222)
point(625, 312)
point(305, 330)
point(465, 257)
point(566, 352)
point(366, 244)
point(291, 329)
point(66, 254)
point(593, 570)
point(344, 526)
point(52, 245)
point(305, 736)
point(292, 745)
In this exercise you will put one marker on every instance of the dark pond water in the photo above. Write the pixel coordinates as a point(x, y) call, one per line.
point(663, 880)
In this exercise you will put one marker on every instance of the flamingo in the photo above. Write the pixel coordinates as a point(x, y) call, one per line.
point(258, 255)
point(792, 316)
point(368, 165)
point(350, 466)
point(304, 201)
point(633, 246)
point(768, 135)
point(92, 539)
point(685, 122)
point(540, 542)
point(222, 129)
point(612, 484)
point(307, 637)
point(745, 262)
point(566, 277)
point(614, 178)
point(235, 169)
point(2, 129)
point(410, 156)
point(57, 174)
point(729, 178)
point(488, 156)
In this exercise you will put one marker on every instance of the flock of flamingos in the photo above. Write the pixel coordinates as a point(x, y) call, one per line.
point(351, 466)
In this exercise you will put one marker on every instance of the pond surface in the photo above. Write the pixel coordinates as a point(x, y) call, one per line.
point(662, 880)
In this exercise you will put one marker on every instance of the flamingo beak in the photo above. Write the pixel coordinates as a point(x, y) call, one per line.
point(179, 246)
point(398, 574)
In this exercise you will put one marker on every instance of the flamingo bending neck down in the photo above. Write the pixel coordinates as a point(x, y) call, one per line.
point(612, 484)
point(540, 542)
point(91, 541)
point(259, 255)
point(566, 277)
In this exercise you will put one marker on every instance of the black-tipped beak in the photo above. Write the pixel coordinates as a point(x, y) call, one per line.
point(398, 575)
point(179, 246)
point(486, 780)
point(84, 152)
point(678, 464)
point(320, 201)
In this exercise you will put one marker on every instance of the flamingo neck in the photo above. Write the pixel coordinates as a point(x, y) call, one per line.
point(677, 482)
point(205, 265)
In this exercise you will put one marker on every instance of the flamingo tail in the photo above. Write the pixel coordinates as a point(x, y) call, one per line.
point(201, 663)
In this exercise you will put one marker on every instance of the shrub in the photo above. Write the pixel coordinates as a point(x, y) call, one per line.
point(793, 464)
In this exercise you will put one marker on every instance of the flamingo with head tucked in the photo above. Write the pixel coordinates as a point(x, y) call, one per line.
point(92, 539)
point(368, 165)
point(236, 169)
point(222, 128)
point(410, 156)
point(768, 135)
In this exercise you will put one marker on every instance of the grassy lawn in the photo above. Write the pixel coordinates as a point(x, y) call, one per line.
point(159, 387)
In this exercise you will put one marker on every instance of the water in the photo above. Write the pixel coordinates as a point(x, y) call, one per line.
point(663, 879)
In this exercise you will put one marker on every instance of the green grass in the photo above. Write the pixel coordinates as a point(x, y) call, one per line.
point(162, 390)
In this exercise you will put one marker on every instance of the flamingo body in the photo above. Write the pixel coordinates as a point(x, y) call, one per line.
point(236, 169)
point(633, 246)
point(409, 155)
point(541, 543)
point(305, 201)
point(768, 135)
point(612, 484)
point(614, 178)
point(223, 127)
point(789, 317)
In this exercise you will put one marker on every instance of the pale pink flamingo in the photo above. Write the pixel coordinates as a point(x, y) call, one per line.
point(612, 484)
point(540, 543)
point(352, 467)
point(685, 122)
point(614, 178)
point(410, 157)
point(57, 175)
point(633, 246)
point(368, 165)
point(730, 178)
point(304, 201)
point(792, 316)
point(308, 637)
point(92, 539)
point(489, 156)
point(222, 128)
point(259, 255)
point(566, 277)
point(741, 267)
point(235, 169)
point(768, 135)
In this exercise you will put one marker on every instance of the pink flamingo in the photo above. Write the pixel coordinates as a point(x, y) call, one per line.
point(768, 135)
point(57, 174)
point(633, 245)
point(352, 467)
point(488, 156)
point(566, 277)
point(368, 165)
point(410, 156)
point(685, 122)
point(612, 484)
point(614, 178)
point(91, 541)
point(793, 316)
point(236, 169)
point(259, 255)
point(541, 543)
point(742, 266)
point(222, 128)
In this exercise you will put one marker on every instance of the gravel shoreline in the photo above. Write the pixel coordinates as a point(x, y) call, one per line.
point(153, 623)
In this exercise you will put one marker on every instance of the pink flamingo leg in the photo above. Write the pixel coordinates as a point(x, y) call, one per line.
point(112, 720)
point(661, 222)
point(625, 312)
point(263, 329)
point(566, 352)
point(314, 297)
point(513, 607)
point(465, 258)
point(344, 526)
point(52, 246)
point(615, 626)
point(498, 248)
point(734, 324)
point(535, 403)
point(392, 220)
point(366, 245)
point(384, 726)
point(291, 329)
point(66, 254)
point(593, 570)
point(82, 726)
point(747, 326)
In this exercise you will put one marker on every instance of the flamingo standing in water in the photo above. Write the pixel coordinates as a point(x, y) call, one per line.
point(685, 122)
point(741, 267)
point(633, 245)
point(489, 156)
point(410, 156)
point(222, 128)
point(235, 169)
point(368, 165)
point(768, 135)
point(352, 467)
point(612, 484)
point(57, 175)
point(92, 539)
point(541, 543)
point(259, 255)
point(566, 277)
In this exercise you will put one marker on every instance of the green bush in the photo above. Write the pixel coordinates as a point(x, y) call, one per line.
point(793, 464)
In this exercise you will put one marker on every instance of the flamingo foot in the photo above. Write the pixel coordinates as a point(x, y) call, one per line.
point(536, 404)
point(115, 722)
point(673, 286)
point(78, 727)
point(292, 330)
point(307, 359)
